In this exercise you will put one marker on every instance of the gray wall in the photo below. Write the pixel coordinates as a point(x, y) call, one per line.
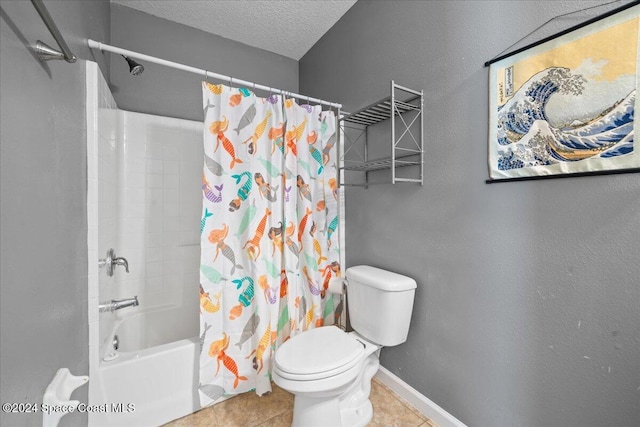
point(526, 312)
point(43, 283)
point(168, 92)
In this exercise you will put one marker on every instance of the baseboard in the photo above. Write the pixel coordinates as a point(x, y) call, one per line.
point(425, 406)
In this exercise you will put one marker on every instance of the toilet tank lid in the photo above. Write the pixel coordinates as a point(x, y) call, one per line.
point(380, 279)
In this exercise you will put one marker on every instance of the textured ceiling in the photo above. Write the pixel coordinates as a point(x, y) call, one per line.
point(287, 27)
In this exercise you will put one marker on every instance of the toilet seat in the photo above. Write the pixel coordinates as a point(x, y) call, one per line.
point(319, 353)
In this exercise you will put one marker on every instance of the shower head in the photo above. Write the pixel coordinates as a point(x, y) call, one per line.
point(134, 68)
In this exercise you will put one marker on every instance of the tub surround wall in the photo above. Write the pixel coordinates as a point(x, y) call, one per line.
point(526, 312)
point(43, 279)
point(167, 92)
point(144, 197)
point(159, 168)
point(102, 197)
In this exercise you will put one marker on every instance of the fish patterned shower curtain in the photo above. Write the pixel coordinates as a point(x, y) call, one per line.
point(269, 238)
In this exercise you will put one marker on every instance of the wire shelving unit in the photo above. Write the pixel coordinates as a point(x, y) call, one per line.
point(404, 110)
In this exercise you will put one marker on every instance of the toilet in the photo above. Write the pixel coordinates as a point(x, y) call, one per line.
point(329, 371)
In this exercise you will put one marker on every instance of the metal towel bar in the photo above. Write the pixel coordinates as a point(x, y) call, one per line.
point(44, 51)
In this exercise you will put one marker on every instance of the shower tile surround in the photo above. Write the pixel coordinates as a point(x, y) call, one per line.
point(146, 211)
point(159, 212)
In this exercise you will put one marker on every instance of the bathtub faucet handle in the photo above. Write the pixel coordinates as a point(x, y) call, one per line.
point(122, 261)
point(111, 261)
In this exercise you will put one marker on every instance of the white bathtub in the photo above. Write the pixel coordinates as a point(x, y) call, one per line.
point(154, 385)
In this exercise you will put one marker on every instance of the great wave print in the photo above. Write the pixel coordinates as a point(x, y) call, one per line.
point(527, 138)
point(567, 105)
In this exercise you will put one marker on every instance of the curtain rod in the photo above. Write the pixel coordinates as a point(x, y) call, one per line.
point(141, 56)
point(44, 51)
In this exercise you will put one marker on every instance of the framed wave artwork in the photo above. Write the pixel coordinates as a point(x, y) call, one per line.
point(565, 106)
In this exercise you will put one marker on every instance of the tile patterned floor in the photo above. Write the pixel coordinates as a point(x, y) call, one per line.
point(275, 410)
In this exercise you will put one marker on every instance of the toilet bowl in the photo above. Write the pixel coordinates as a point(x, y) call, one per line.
point(329, 371)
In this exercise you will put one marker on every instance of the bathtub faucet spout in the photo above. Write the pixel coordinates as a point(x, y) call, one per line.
point(114, 305)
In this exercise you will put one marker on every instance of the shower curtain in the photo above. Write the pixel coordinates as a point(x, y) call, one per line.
point(269, 241)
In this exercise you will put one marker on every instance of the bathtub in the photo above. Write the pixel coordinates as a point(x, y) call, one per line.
point(147, 386)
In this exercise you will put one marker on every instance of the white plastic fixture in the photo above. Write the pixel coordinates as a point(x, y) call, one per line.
point(57, 395)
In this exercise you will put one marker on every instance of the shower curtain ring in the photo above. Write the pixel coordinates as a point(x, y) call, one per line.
point(231, 82)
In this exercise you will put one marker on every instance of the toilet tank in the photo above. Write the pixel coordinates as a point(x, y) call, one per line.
point(380, 304)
